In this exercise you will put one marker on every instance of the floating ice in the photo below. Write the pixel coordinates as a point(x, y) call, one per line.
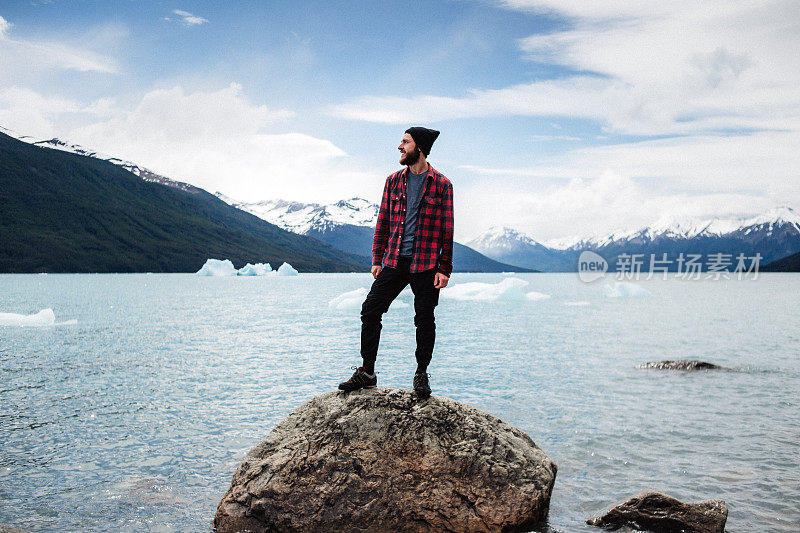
point(259, 269)
point(286, 270)
point(576, 303)
point(349, 300)
point(533, 295)
point(45, 317)
point(353, 299)
point(509, 289)
point(216, 267)
point(623, 289)
point(224, 267)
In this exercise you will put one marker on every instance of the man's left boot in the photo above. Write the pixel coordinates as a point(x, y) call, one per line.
point(421, 385)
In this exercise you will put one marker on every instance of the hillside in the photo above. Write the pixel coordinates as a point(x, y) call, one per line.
point(63, 212)
point(786, 264)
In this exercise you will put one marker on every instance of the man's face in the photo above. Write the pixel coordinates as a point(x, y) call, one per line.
point(409, 153)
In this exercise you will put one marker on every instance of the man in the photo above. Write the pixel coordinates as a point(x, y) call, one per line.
point(413, 244)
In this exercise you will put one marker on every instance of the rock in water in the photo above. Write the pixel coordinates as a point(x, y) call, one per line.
point(653, 511)
point(682, 364)
point(383, 460)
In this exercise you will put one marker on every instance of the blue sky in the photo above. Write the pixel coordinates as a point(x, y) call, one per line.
point(558, 118)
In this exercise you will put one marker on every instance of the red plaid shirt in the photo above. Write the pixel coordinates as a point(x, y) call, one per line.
point(433, 240)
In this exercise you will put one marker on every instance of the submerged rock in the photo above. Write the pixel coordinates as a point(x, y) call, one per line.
point(682, 364)
point(383, 460)
point(653, 511)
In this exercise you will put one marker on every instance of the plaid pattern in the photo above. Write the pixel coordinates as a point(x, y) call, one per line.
point(433, 242)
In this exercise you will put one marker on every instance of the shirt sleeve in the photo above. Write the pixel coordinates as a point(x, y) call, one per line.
point(446, 255)
point(381, 238)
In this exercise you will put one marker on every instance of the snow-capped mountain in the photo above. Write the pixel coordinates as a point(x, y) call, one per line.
point(305, 218)
point(349, 225)
point(773, 234)
point(766, 224)
point(508, 245)
point(65, 146)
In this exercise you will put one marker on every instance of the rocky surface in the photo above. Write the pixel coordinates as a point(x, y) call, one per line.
point(383, 460)
point(9, 529)
point(682, 364)
point(653, 511)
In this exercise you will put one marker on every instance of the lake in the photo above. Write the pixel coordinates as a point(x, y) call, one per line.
point(134, 415)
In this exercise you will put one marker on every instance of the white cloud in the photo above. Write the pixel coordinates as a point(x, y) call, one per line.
point(189, 19)
point(22, 56)
point(219, 141)
point(583, 207)
point(4, 27)
point(29, 113)
point(676, 68)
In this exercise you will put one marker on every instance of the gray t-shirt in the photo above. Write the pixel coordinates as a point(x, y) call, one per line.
point(415, 187)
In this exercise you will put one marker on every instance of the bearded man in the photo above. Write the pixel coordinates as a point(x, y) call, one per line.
point(413, 245)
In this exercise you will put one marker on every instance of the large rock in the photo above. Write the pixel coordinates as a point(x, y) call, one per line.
point(682, 364)
point(653, 511)
point(383, 460)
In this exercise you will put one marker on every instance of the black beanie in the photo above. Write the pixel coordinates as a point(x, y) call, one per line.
point(423, 137)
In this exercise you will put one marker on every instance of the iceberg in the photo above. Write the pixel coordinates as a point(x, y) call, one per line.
point(45, 317)
point(259, 269)
point(217, 267)
point(622, 289)
point(509, 289)
point(224, 267)
point(349, 300)
point(286, 270)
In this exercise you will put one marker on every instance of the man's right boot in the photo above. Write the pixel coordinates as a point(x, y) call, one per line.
point(359, 380)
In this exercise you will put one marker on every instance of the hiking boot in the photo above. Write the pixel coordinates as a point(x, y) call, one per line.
point(359, 380)
point(421, 385)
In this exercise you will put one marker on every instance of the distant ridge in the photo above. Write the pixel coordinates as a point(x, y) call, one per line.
point(773, 234)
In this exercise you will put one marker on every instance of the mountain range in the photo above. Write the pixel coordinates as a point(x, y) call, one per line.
point(349, 225)
point(114, 223)
point(774, 235)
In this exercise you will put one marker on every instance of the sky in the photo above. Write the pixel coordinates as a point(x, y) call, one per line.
point(558, 118)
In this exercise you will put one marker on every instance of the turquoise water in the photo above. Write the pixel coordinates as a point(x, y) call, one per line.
point(135, 417)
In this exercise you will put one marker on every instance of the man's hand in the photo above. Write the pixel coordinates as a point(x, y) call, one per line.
point(440, 282)
point(376, 269)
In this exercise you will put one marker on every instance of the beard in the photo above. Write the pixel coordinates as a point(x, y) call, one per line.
point(409, 158)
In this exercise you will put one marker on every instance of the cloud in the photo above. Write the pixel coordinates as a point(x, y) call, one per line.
point(677, 68)
point(220, 141)
point(189, 19)
point(30, 113)
point(590, 206)
point(24, 56)
point(4, 27)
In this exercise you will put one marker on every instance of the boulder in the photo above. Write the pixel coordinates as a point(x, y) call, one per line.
point(384, 460)
point(682, 364)
point(653, 511)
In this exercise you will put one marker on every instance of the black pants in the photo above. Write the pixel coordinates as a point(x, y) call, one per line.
point(389, 283)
